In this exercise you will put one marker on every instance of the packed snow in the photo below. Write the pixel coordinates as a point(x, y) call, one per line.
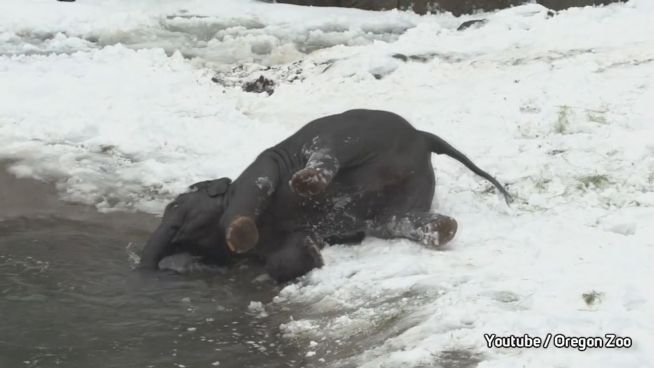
point(125, 103)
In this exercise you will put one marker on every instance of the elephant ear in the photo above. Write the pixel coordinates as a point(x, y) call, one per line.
point(213, 188)
point(218, 187)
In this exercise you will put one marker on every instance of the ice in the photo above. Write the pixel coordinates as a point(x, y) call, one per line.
point(230, 32)
point(115, 101)
point(257, 309)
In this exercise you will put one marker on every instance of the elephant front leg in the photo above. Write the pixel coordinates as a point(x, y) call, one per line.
point(247, 199)
point(431, 229)
point(242, 234)
point(298, 254)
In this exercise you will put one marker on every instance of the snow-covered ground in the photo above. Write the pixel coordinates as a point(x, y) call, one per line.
point(115, 101)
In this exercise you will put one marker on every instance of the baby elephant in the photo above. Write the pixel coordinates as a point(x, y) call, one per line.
point(336, 180)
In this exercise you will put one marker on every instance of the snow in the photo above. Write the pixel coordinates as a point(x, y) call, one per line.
point(257, 309)
point(114, 101)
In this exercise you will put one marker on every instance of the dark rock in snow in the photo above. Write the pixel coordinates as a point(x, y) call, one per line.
point(261, 84)
point(400, 57)
point(421, 58)
point(473, 22)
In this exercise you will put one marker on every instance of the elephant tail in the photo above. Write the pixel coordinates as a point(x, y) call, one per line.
point(441, 147)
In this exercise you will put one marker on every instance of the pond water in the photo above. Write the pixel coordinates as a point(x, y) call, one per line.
point(70, 297)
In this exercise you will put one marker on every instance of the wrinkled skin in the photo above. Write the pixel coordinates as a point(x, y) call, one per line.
point(336, 180)
point(189, 225)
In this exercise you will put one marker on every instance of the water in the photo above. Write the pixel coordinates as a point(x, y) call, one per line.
point(69, 295)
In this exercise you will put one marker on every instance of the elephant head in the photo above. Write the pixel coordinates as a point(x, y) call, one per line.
point(191, 223)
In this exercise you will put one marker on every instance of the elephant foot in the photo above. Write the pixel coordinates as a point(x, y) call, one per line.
point(242, 234)
point(430, 229)
point(439, 232)
point(309, 182)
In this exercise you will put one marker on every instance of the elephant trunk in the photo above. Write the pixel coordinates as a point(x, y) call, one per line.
point(158, 246)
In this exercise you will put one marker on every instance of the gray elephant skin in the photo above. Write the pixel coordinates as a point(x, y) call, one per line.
point(336, 180)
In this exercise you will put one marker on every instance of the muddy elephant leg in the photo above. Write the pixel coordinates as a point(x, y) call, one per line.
point(430, 229)
point(245, 200)
point(299, 254)
point(321, 167)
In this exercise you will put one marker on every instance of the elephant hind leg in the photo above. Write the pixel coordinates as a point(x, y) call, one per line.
point(352, 238)
point(310, 181)
point(430, 229)
point(298, 254)
point(320, 169)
